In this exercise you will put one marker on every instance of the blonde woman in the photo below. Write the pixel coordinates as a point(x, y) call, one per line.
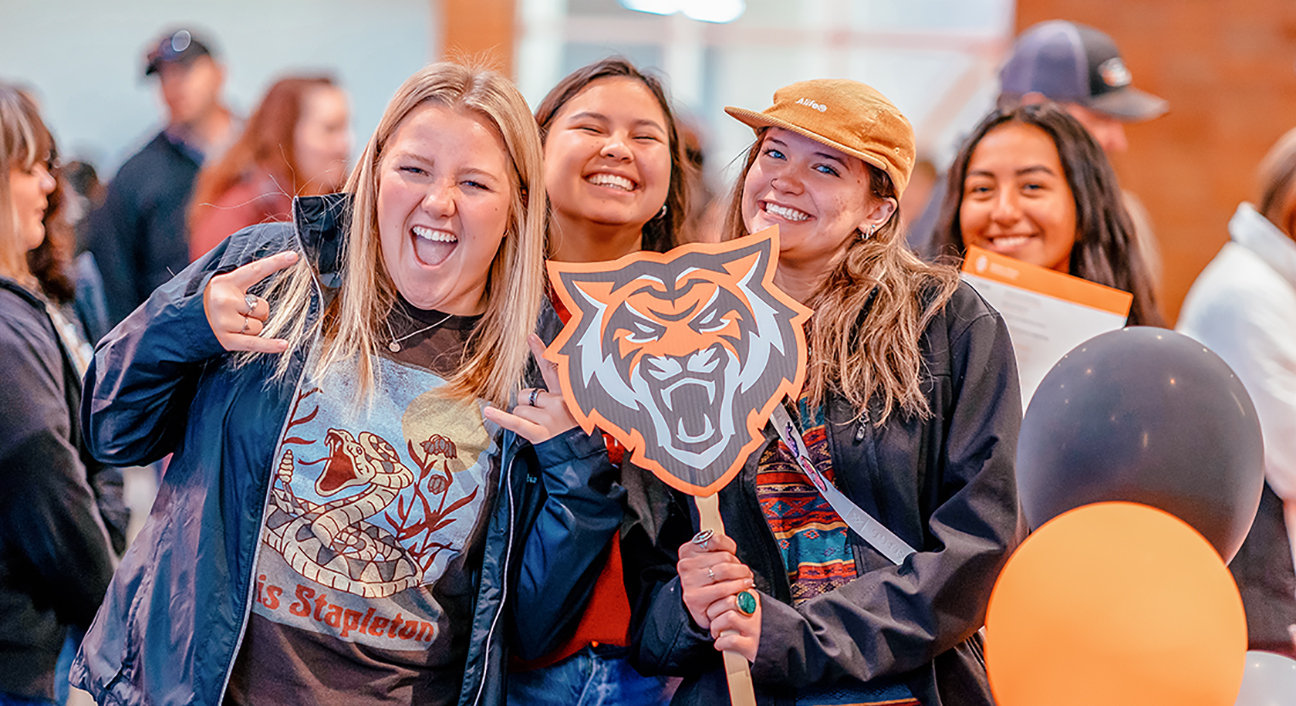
point(910, 409)
point(338, 520)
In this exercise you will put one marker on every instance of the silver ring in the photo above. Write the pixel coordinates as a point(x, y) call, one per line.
point(251, 300)
point(711, 573)
point(703, 539)
point(535, 392)
point(246, 321)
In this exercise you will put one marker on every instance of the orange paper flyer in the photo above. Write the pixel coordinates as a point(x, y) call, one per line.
point(1048, 313)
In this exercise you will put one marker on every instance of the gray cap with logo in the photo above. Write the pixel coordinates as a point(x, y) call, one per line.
point(1074, 63)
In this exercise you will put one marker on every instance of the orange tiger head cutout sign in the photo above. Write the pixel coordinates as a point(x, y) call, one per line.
point(681, 356)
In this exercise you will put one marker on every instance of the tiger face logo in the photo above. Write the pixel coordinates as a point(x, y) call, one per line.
point(681, 356)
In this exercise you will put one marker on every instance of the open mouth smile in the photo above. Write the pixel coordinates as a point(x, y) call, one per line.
point(787, 213)
point(1009, 242)
point(432, 246)
point(611, 181)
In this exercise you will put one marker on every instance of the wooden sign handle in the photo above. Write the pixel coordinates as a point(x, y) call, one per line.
point(741, 691)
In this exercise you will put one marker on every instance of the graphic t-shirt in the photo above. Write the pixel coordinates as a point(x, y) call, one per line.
point(816, 547)
point(364, 591)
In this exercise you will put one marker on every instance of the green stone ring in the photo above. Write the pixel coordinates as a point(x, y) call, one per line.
point(746, 603)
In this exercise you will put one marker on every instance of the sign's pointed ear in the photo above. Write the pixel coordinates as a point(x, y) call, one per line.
point(755, 258)
point(586, 287)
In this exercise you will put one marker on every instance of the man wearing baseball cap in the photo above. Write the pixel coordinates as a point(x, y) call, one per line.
point(1079, 67)
point(138, 235)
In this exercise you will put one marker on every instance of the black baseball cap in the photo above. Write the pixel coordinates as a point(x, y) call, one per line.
point(1069, 62)
point(180, 46)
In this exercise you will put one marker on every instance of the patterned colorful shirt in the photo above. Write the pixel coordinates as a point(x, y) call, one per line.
point(816, 549)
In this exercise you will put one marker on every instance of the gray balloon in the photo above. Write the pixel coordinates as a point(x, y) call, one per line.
point(1269, 680)
point(1150, 416)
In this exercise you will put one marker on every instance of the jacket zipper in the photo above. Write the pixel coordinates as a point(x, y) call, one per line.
point(256, 553)
point(506, 475)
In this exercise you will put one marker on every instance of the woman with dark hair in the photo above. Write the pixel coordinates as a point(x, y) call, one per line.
point(1243, 307)
point(295, 144)
point(614, 163)
point(910, 408)
point(57, 557)
point(1031, 183)
point(615, 176)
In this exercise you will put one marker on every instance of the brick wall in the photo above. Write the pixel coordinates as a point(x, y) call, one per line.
point(1228, 68)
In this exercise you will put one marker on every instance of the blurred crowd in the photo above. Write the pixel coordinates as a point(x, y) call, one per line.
point(1032, 181)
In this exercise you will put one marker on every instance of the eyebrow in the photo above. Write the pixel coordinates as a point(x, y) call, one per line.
point(1034, 168)
point(599, 116)
point(403, 154)
point(824, 155)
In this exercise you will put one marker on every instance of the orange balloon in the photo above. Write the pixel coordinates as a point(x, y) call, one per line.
point(1116, 604)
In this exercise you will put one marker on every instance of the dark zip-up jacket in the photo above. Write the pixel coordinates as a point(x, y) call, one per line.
point(945, 485)
point(138, 234)
point(55, 558)
point(174, 617)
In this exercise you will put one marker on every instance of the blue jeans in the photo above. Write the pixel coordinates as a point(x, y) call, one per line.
point(7, 699)
point(70, 647)
point(595, 676)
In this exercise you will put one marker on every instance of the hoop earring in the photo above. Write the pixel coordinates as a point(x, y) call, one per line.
point(869, 233)
point(661, 213)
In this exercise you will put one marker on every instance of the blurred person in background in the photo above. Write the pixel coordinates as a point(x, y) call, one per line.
point(296, 143)
point(1243, 307)
point(85, 195)
point(618, 182)
point(61, 515)
point(1079, 68)
point(138, 234)
point(1033, 184)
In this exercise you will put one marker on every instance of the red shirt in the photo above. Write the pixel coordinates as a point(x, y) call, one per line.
point(607, 616)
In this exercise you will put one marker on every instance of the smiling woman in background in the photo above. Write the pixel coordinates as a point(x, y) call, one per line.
point(295, 144)
point(1031, 183)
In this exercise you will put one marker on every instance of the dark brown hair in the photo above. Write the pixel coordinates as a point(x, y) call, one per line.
point(24, 142)
point(1106, 250)
point(266, 142)
point(1277, 177)
point(663, 232)
point(870, 311)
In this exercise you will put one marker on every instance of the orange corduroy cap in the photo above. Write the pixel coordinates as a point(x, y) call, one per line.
point(846, 115)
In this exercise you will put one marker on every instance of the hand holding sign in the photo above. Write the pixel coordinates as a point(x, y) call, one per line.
point(682, 357)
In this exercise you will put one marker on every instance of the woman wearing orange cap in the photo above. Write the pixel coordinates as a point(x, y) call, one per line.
point(910, 409)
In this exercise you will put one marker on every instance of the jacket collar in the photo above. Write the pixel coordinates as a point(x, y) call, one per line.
point(1254, 232)
point(321, 225)
point(25, 294)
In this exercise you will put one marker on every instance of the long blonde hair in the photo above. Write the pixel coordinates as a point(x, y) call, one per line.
point(496, 357)
point(861, 350)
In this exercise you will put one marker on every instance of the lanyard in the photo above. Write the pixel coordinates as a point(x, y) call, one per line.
point(873, 532)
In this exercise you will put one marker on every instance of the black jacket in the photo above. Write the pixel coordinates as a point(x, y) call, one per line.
point(945, 485)
point(138, 234)
point(55, 559)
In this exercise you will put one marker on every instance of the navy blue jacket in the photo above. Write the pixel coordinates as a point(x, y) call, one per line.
point(174, 616)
